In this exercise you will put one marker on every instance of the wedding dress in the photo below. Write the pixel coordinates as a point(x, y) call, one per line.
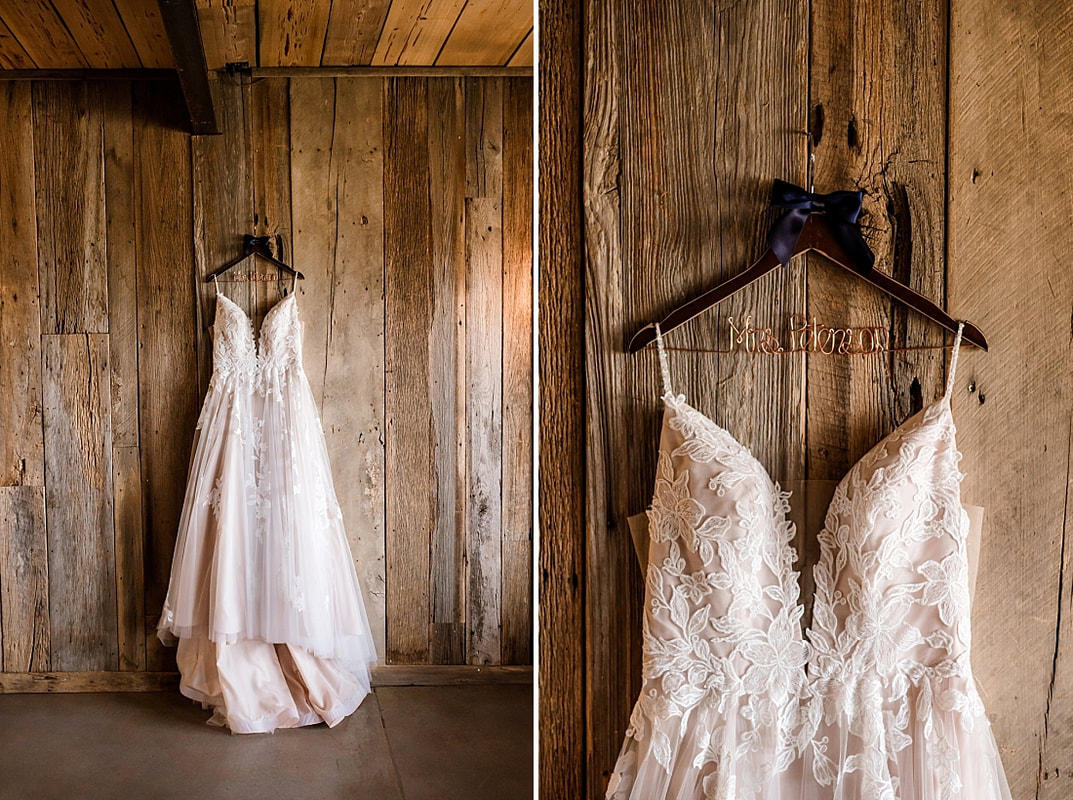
point(880, 704)
point(264, 598)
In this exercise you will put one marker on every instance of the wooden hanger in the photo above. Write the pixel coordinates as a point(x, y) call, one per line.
point(255, 246)
point(816, 236)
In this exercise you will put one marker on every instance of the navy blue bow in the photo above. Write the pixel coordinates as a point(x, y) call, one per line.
point(840, 209)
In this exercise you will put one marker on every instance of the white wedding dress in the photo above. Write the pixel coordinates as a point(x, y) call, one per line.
point(264, 598)
point(880, 704)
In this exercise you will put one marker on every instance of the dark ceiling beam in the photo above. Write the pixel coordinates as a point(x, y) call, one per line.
point(184, 35)
point(87, 75)
point(389, 72)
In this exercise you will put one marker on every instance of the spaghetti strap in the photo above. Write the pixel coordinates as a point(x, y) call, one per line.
point(954, 360)
point(216, 283)
point(663, 368)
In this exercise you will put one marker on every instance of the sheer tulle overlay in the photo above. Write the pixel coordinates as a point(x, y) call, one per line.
point(880, 704)
point(263, 596)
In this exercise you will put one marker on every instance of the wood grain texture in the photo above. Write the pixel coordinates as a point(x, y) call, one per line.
point(40, 31)
point(409, 442)
point(292, 32)
point(484, 357)
point(561, 566)
point(21, 444)
point(129, 557)
point(24, 607)
point(337, 153)
point(120, 227)
point(415, 30)
point(12, 54)
point(447, 368)
point(353, 31)
point(98, 32)
point(146, 30)
point(72, 256)
point(167, 362)
point(223, 211)
point(268, 132)
point(487, 32)
point(517, 369)
point(228, 32)
point(525, 54)
point(484, 419)
point(87, 681)
point(878, 94)
point(1010, 99)
point(78, 501)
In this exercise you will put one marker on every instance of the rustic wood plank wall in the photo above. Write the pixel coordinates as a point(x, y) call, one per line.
point(407, 204)
point(689, 111)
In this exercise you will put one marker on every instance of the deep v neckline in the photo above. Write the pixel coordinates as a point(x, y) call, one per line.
point(257, 336)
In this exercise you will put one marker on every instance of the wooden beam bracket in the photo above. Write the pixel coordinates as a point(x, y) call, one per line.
point(184, 35)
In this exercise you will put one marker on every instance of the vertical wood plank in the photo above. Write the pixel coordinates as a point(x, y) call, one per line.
point(167, 361)
point(484, 366)
point(228, 32)
point(123, 357)
point(292, 33)
point(21, 448)
point(337, 185)
point(447, 364)
point(99, 33)
point(415, 30)
point(146, 30)
point(223, 211)
point(129, 557)
point(78, 501)
point(484, 420)
point(878, 94)
point(353, 31)
point(562, 708)
point(409, 445)
point(69, 153)
point(1010, 98)
point(24, 616)
point(517, 369)
point(121, 262)
point(268, 134)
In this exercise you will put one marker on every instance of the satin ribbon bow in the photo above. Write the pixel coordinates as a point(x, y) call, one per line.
point(840, 209)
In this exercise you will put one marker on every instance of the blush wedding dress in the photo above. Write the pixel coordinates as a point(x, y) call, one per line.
point(264, 598)
point(880, 703)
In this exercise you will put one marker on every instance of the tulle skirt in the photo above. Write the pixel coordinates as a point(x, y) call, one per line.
point(263, 592)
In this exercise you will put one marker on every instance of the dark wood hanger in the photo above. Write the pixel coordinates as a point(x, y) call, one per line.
point(816, 236)
point(254, 246)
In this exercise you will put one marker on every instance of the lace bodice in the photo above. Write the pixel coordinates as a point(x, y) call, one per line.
point(236, 351)
point(880, 703)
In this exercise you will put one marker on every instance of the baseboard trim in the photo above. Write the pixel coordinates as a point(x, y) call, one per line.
point(385, 675)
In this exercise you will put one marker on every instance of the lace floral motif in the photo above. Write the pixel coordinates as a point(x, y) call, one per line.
point(725, 706)
point(722, 625)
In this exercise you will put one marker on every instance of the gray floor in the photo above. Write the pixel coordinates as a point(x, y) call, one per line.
point(403, 743)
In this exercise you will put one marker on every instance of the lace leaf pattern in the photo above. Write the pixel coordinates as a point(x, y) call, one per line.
point(721, 629)
point(890, 633)
point(887, 709)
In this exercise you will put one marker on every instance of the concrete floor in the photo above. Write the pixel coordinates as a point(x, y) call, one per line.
point(403, 743)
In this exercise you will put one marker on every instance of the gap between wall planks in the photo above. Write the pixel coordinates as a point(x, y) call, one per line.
point(306, 167)
point(881, 77)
